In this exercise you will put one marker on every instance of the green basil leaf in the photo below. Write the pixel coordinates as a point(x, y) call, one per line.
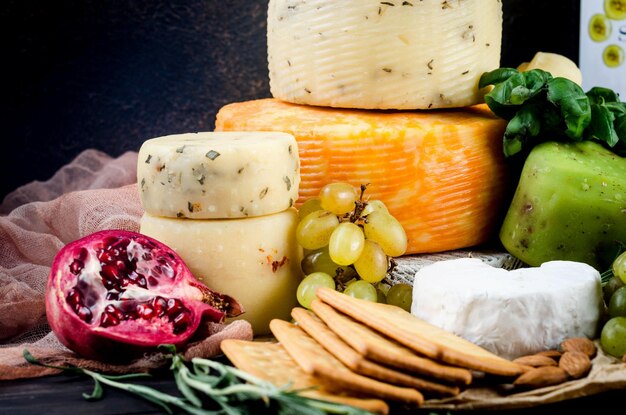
point(496, 76)
point(573, 104)
point(524, 125)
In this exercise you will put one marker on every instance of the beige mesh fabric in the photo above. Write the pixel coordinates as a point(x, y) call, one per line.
point(92, 193)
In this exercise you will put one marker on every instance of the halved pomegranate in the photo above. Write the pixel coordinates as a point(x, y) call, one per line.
point(116, 294)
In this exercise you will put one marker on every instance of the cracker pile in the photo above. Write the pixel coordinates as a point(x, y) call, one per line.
point(366, 354)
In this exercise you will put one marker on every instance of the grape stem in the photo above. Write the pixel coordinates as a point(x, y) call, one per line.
point(359, 206)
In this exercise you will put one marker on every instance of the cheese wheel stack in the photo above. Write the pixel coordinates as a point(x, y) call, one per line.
point(382, 54)
point(224, 202)
point(433, 157)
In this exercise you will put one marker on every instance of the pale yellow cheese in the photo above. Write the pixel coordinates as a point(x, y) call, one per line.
point(382, 54)
point(218, 175)
point(255, 260)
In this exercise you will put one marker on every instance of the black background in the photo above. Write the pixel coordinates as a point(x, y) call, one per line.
point(111, 74)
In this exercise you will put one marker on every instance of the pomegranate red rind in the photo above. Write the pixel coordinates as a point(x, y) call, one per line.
point(115, 294)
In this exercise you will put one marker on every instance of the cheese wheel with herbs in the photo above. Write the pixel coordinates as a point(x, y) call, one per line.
point(212, 175)
point(254, 260)
point(371, 54)
point(440, 173)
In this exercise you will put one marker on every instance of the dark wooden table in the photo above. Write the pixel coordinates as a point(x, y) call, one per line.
point(62, 395)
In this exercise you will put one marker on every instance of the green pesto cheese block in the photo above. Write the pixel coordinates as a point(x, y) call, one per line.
point(570, 204)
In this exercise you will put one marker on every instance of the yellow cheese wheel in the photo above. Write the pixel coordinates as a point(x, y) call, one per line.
point(256, 260)
point(441, 173)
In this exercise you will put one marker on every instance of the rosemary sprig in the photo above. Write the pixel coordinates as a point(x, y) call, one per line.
point(211, 388)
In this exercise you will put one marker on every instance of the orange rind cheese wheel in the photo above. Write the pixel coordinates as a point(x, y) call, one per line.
point(441, 173)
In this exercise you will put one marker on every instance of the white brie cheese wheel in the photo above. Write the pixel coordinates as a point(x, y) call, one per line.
point(510, 313)
point(254, 260)
point(382, 54)
point(218, 174)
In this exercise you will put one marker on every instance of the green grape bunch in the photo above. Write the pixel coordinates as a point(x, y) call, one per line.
point(349, 245)
point(613, 336)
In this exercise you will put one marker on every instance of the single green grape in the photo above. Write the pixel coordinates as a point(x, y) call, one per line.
point(372, 264)
point(309, 285)
point(311, 205)
point(610, 287)
point(374, 205)
point(381, 297)
point(313, 232)
point(617, 305)
point(320, 261)
point(400, 295)
point(599, 28)
point(615, 9)
point(346, 243)
point(385, 230)
point(619, 267)
point(363, 290)
point(613, 337)
point(384, 287)
point(338, 198)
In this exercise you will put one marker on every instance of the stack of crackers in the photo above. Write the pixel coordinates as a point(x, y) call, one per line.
point(365, 354)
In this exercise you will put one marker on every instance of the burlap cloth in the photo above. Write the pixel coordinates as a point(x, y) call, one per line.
point(97, 192)
point(92, 193)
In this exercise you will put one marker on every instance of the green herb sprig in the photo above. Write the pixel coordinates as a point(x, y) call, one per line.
point(540, 107)
point(212, 388)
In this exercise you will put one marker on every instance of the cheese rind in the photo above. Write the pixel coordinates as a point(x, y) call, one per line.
point(382, 55)
point(218, 175)
point(510, 313)
point(440, 173)
point(254, 260)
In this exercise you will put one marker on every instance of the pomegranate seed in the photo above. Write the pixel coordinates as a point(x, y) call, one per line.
point(152, 281)
point(76, 266)
point(112, 296)
point(159, 304)
point(121, 265)
point(74, 298)
point(141, 281)
point(181, 322)
point(82, 254)
point(146, 256)
point(84, 313)
point(121, 244)
point(104, 257)
point(174, 306)
point(110, 285)
point(111, 309)
point(145, 311)
point(110, 272)
point(108, 320)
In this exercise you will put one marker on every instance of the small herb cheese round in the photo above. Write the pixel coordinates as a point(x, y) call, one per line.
point(218, 175)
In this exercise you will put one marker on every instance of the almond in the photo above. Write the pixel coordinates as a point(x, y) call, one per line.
point(579, 344)
point(576, 364)
point(536, 360)
point(540, 377)
point(624, 358)
point(554, 354)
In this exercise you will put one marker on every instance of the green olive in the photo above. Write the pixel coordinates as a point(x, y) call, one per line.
point(615, 9)
point(599, 28)
point(613, 56)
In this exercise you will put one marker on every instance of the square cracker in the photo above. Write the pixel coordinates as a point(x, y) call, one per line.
point(374, 346)
point(315, 360)
point(319, 331)
point(270, 362)
point(416, 334)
